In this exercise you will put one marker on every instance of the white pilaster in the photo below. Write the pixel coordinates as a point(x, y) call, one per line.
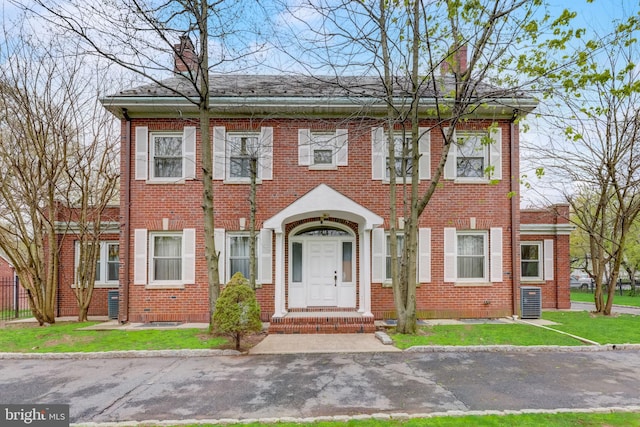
point(365, 274)
point(279, 281)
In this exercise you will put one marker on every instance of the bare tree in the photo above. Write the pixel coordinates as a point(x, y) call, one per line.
point(141, 35)
point(406, 44)
point(597, 153)
point(44, 151)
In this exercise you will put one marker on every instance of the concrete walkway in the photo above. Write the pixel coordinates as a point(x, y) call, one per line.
point(321, 343)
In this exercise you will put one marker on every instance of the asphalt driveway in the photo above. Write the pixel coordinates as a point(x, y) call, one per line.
point(310, 385)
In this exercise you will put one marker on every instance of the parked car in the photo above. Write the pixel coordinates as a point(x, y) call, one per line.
point(584, 283)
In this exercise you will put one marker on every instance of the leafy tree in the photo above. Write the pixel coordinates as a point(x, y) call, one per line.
point(141, 35)
point(593, 106)
point(57, 150)
point(237, 311)
point(406, 44)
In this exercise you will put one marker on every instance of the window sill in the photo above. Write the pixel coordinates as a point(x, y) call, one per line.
point(245, 181)
point(471, 181)
point(164, 286)
point(176, 181)
point(472, 284)
point(532, 281)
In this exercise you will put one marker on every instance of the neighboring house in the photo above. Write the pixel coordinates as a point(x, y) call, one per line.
point(544, 253)
point(107, 267)
point(7, 283)
point(322, 206)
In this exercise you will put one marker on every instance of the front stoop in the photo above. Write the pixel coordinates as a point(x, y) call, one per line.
point(322, 321)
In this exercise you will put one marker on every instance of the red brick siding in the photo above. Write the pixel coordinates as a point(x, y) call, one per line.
point(452, 206)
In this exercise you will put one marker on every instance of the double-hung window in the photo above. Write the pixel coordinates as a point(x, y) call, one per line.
point(472, 256)
point(388, 252)
point(531, 260)
point(166, 257)
point(471, 160)
point(475, 156)
point(107, 264)
point(239, 259)
point(165, 157)
point(243, 148)
point(323, 150)
point(166, 154)
point(402, 145)
point(233, 153)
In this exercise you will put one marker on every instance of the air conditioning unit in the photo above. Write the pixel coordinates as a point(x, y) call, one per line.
point(530, 302)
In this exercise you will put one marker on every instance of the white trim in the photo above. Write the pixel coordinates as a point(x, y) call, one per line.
point(548, 260)
point(142, 153)
point(541, 229)
point(377, 154)
point(140, 256)
point(540, 276)
point(424, 146)
point(324, 200)
point(189, 256)
point(219, 153)
point(189, 150)
point(378, 255)
point(495, 249)
point(265, 163)
point(424, 255)
point(450, 255)
point(103, 260)
point(151, 162)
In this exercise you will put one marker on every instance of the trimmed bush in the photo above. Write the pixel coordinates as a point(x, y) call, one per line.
point(237, 310)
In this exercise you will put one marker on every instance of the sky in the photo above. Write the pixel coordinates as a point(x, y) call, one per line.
point(597, 15)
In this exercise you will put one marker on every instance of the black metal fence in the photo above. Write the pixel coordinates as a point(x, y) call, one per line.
point(14, 303)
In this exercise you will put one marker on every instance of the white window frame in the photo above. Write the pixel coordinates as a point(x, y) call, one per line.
point(152, 279)
point(103, 263)
point(152, 156)
point(398, 154)
point(144, 155)
point(380, 151)
point(387, 255)
point(491, 153)
point(485, 256)
point(311, 141)
point(483, 152)
point(229, 237)
point(540, 261)
point(222, 150)
point(232, 146)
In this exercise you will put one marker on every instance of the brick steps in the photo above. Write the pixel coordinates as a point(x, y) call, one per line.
point(325, 322)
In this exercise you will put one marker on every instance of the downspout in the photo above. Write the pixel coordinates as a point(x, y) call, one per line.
point(515, 205)
point(125, 187)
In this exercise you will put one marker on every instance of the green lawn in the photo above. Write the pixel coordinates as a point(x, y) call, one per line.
point(617, 299)
point(619, 329)
point(620, 419)
point(64, 337)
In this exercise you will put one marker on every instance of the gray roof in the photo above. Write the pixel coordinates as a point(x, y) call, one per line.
point(264, 93)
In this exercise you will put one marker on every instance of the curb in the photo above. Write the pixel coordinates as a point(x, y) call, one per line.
point(415, 349)
point(121, 354)
point(523, 349)
point(347, 418)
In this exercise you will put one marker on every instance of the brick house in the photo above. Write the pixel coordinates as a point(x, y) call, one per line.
point(322, 206)
point(107, 267)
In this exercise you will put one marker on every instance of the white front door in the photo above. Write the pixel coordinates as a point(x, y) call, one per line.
point(322, 272)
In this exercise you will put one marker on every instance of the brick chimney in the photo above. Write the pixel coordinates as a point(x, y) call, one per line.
point(456, 59)
point(185, 58)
